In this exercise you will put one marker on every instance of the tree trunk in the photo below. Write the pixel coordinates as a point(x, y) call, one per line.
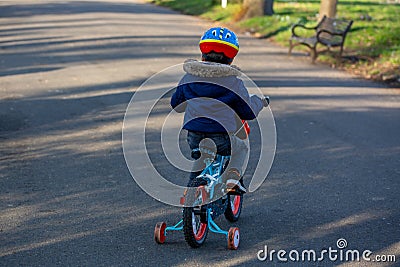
point(256, 8)
point(328, 8)
point(268, 7)
point(252, 8)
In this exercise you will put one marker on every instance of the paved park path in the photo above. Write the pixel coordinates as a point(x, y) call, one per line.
point(67, 72)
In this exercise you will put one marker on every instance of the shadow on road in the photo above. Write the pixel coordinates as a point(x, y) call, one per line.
point(76, 8)
point(67, 197)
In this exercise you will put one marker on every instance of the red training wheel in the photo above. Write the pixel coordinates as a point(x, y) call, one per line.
point(159, 232)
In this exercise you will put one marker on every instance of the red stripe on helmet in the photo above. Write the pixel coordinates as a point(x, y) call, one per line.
point(229, 51)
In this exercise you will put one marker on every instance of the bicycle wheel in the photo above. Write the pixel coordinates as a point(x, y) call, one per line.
point(234, 207)
point(195, 225)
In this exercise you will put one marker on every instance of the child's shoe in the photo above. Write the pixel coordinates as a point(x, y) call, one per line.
point(233, 181)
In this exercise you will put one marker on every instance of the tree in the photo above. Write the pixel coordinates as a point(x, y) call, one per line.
point(255, 8)
point(328, 8)
point(268, 7)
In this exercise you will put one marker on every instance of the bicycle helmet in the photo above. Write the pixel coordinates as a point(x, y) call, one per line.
point(220, 40)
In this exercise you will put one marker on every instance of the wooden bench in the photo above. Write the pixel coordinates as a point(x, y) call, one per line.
point(329, 32)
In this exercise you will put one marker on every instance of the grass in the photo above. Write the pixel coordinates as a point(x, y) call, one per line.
point(372, 47)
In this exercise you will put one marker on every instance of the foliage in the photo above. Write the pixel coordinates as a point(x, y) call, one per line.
point(372, 46)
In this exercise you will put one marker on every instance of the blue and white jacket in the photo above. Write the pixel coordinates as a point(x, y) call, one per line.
point(213, 98)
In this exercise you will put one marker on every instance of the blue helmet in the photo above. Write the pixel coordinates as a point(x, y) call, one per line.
point(220, 40)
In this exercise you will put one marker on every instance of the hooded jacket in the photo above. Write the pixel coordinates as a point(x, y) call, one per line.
point(213, 98)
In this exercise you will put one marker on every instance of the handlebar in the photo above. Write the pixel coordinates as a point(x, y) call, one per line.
point(266, 101)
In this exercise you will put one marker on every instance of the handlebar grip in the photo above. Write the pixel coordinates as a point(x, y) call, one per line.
point(266, 101)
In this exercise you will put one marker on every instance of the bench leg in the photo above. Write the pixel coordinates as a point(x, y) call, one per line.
point(341, 52)
point(313, 54)
point(290, 47)
point(339, 56)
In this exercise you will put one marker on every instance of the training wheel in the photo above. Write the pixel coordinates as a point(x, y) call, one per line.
point(233, 238)
point(159, 232)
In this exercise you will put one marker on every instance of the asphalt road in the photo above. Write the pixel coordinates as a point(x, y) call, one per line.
point(68, 70)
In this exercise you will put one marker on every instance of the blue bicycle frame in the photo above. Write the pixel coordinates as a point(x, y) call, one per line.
point(212, 173)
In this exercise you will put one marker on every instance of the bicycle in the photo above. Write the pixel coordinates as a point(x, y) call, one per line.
point(202, 206)
point(201, 209)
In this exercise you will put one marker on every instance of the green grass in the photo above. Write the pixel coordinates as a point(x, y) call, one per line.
point(191, 7)
point(374, 45)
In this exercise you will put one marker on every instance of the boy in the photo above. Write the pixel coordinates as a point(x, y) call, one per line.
point(215, 102)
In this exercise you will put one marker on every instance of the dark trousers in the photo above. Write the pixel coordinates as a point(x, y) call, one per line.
point(222, 143)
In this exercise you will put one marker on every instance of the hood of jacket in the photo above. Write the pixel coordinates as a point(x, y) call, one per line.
point(206, 69)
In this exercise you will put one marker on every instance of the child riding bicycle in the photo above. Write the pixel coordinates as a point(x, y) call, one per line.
point(216, 103)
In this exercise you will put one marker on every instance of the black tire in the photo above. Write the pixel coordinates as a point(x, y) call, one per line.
point(195, 225)
point(234, 207)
